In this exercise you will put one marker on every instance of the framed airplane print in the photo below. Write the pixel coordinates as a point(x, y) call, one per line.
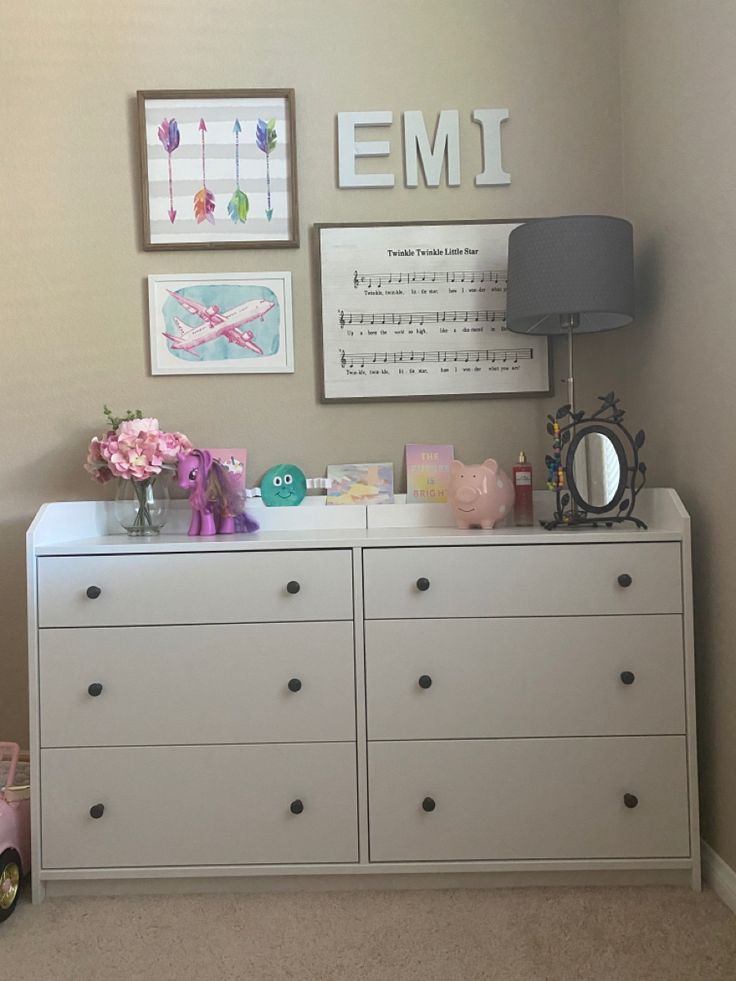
point(218, 169)
point(229, 323)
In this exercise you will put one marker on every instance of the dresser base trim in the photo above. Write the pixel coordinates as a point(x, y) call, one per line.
point(374, 869)
point(348, 883)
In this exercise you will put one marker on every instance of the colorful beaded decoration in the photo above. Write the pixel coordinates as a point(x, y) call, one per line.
point(555, 472)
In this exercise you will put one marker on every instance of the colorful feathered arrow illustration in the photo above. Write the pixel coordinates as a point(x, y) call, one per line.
point(237, 206)
point(204, 199)
point(168, 133)
point(266, 143)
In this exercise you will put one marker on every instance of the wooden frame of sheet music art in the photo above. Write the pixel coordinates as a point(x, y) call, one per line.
point(417, 310)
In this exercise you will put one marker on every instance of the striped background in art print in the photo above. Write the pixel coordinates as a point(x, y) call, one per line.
point(186, 165)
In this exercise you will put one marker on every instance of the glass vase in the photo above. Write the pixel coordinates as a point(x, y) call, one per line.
point(142, 506)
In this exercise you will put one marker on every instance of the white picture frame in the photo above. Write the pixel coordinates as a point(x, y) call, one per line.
point(417, 310)
point(221, 323)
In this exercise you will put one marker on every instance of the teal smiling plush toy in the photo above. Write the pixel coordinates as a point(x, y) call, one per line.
point(283, 486)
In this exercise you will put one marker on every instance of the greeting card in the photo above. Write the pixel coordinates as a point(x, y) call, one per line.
point(361, 483)
point(233, 460)
point(428, 472)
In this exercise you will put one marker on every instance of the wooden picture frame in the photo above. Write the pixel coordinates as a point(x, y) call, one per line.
point(221, 323)
point(218, 169)
point(416, 310)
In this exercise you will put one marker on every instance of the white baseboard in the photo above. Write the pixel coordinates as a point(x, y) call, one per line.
point(719, 876)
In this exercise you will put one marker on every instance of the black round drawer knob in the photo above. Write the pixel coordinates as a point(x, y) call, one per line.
point(425, 681)
point(296, 807)
point(422, 585)
point(631, 800)
point(428, 805)
point(628, 677)
point(97, 810)
point(293, 587)
point(625, 580)
point(294, 684)
point(95, 689)
point(93, 592)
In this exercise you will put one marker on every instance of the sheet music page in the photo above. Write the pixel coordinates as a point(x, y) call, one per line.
point(418, 310)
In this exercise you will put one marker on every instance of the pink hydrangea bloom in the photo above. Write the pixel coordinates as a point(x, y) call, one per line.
point(136, 457)
point(96, 465)
point(136, 427)
point(172, 444)
point(137, 450)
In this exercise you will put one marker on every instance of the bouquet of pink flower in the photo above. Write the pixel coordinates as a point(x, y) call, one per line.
point(133, 448)
point(136, 450)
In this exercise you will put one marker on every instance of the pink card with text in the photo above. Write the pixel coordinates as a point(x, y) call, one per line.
point(428, 472)
point(233, 460)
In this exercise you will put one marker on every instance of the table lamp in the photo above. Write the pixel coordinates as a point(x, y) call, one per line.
point(568, 275)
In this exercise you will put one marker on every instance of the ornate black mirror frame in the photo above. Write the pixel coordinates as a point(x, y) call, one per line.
point(567, 429)
point(623, 465)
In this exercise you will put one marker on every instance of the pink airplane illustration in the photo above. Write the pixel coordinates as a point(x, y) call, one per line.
point(217, 324)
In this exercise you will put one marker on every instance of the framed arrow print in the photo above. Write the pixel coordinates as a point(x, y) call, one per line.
point(218, 169)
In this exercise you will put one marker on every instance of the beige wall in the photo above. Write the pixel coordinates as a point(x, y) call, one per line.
point(679, 104)
point(73, 290)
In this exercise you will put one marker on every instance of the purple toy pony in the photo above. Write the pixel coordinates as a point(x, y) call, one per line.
point(217, 508)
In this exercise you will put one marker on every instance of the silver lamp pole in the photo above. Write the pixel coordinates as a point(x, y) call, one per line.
point(568, 322)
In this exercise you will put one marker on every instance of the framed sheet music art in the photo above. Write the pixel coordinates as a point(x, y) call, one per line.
point(418, 310)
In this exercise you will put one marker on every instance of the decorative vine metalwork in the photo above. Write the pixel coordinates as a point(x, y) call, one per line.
point(568, 429)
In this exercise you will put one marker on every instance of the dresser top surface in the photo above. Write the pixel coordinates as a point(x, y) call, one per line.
point(87, 528)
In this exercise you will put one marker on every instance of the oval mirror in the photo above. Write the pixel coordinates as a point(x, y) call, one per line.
point(596, 469)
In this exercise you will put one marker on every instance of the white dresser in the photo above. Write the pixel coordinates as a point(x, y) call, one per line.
point(354, 692)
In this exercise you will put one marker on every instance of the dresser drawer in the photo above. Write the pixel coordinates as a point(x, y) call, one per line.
point(522, 580)
point(525, 676)
point(226, 683)
point(210, 587)
point(196, 805)
point(528, 799)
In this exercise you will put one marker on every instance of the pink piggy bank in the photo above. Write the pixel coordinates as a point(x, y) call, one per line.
point(480, 494)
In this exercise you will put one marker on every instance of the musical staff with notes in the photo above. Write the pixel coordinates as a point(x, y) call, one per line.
point(419, 310)
point(393, 319)
point(467, 356)
point(377, 280)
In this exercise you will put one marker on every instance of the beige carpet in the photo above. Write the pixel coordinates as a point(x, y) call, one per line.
point(616, 934)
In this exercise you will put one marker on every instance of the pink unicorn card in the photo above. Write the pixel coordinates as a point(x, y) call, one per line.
point(233, 460)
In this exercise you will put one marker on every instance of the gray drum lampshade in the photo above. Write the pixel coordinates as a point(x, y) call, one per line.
point(579, 264)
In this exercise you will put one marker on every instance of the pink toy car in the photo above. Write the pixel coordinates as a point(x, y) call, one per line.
point(15, 826)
